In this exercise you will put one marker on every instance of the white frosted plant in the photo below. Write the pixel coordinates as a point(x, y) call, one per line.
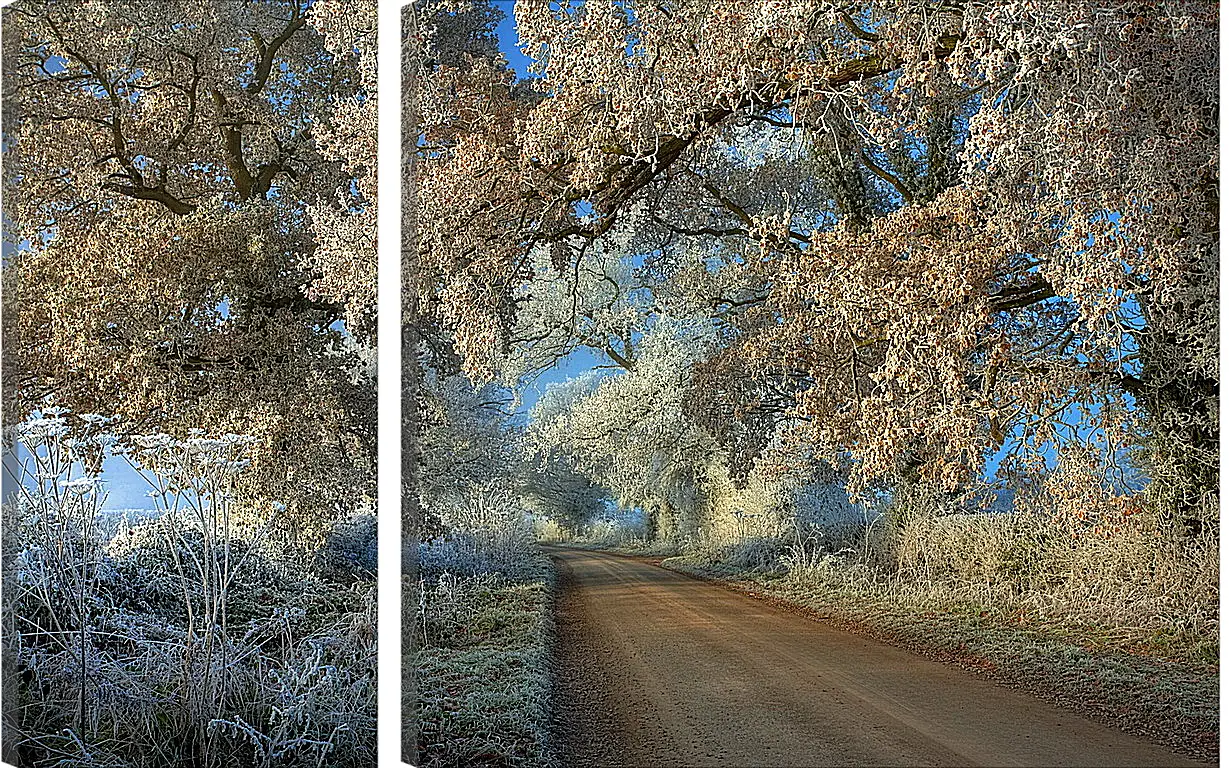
point(97, 660)
point(58, 502)
point(584, 294)
point(193, 484)
point(323, 700)
point(488, 531)
point(629, 433)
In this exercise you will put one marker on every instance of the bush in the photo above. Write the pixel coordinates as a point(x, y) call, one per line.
point(1153, 585)
point(487, 532)
point(350, 550)
point(186, 639)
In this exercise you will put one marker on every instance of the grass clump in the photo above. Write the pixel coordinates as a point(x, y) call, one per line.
point(480, 642)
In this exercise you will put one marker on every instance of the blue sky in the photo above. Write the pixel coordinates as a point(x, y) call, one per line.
point(122, 486)
point(508, 40)
point(580, 361)
point(125, 488)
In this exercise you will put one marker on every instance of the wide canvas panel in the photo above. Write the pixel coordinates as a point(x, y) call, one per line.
point(898, 318)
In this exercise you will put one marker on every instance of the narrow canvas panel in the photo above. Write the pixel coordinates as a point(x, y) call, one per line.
point(189, 383)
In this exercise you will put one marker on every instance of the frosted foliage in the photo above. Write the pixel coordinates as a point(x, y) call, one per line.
point(583, 294)
point(556, 492)
point(346, 226)
point(488, 532)
point(631, 435)
point(628, 433)
point(464, 441)
point(193, 185)
point(923, 231)
point(174, 638)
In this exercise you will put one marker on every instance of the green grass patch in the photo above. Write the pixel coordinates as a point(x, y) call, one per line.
point(482, 672)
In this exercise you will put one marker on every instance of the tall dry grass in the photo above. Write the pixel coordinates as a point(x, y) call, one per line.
point(1132, 579)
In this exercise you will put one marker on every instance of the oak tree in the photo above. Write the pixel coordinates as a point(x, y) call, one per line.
point(192, 189)
point(927, 230)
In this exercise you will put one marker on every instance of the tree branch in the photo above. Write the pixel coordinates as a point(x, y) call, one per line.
point(157, 194)
point(266, 52)
point(853, 27)
point(232, 142)
point(1015, 297)
point(896, 183)
point(622, 361)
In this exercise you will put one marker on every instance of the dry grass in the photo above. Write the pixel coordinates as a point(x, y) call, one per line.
point(1136, 586)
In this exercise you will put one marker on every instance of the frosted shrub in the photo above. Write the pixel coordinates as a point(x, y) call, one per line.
point(547, 530)
point(177, 640)
point(819, 553)
point(970, 548)
point(479, 636)
point(622, 528)
point(488, 531)
point(1115, 563)
point(753, 541)
point(350, 548)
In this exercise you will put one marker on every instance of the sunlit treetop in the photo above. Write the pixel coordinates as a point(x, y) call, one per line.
point(192, 186)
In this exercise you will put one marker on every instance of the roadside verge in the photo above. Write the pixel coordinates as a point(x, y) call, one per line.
point(483, 670)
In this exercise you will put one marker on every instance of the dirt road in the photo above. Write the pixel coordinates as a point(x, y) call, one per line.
point(659, 669)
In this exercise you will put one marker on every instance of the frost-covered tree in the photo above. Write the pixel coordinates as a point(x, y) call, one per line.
point(191, 186)
point(948, 227)
point(629, 434)
point(583, 294)
point(345, 225)
point(554, 490)
point(465, 443)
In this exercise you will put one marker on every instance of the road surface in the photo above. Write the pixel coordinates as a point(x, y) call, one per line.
point(660, 669)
